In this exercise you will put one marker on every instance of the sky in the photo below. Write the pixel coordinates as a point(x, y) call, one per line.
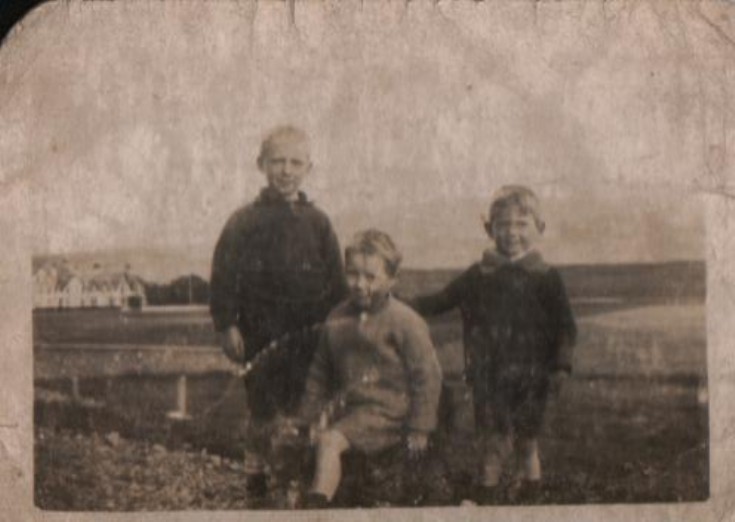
point(136, 125)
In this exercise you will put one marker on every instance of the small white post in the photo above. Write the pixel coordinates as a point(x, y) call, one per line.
point(656, 356)
point(181, 394)
point(180, 412)
point(75, 395)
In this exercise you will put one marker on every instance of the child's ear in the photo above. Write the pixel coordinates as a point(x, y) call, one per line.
point(489, 228)
point(394, 276)
point(541, 226)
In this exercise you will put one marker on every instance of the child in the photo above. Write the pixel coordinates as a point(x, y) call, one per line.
point(518, 333)
point(277, 269)
point(376, 354)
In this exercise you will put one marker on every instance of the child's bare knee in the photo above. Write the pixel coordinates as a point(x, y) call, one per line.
point(333, 441)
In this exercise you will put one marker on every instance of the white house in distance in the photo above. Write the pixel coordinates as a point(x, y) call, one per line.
point(59, 285)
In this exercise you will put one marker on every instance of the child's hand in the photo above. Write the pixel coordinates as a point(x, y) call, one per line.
point(417, 444)
point(233, 344)
point(314, 431)
point(556, 381)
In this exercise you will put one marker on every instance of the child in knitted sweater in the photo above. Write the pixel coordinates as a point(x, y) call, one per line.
point(376, 355)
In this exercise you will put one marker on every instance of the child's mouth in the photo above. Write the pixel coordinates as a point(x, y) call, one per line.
point(361, 299)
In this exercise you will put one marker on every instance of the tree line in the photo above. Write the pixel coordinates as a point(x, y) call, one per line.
point(188, 289)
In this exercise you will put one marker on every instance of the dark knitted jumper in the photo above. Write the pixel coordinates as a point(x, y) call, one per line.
point(518, 329)
point(277, 269)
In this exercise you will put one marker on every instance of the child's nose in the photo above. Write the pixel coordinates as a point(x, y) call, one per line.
point(288, 168)
point(362, 284)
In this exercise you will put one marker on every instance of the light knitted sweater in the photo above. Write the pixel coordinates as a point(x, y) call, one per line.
point(382, 361)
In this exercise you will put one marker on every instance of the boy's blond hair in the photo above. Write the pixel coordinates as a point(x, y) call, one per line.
point(518, 196)
point(284, 132)
point(376, 242)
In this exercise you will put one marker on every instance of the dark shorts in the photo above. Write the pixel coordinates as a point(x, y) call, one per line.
point(513, 401)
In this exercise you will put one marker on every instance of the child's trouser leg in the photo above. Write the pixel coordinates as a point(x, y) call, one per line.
point(257, 450)
point(497, 448)
point(330, 446)
point(265, 390)
point(527, 421)
point(528, 464)
point(258, 433)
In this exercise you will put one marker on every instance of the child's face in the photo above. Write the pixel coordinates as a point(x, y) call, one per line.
point(514, 231)
point(367, 279)
point(286, 165)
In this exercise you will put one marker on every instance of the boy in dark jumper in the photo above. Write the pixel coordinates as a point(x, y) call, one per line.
point(277, 270)
point(518, 334)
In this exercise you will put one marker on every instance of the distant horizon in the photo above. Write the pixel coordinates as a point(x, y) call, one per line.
point(88, 256)
point(90, 252)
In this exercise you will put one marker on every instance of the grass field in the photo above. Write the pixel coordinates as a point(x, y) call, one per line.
point(631, 424)
point(593, 290)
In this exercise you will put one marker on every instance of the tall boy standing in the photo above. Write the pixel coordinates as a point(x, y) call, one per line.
point(277, 269)
point(518, 331)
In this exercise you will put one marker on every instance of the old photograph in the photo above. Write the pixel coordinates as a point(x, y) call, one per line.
point(318, 255)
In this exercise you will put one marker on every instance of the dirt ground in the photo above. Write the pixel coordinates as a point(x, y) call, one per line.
point(631, 425)
point(606, 440)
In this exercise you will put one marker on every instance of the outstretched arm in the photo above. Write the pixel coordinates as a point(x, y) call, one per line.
point(443, 301)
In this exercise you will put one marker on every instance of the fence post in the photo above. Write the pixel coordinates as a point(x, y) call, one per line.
point(180, 412)
point(75, 395)
point(179, 425)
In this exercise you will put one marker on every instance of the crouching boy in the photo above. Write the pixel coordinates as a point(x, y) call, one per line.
point(376, 359)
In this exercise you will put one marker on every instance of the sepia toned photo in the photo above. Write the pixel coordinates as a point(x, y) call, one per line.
point(314, 255)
